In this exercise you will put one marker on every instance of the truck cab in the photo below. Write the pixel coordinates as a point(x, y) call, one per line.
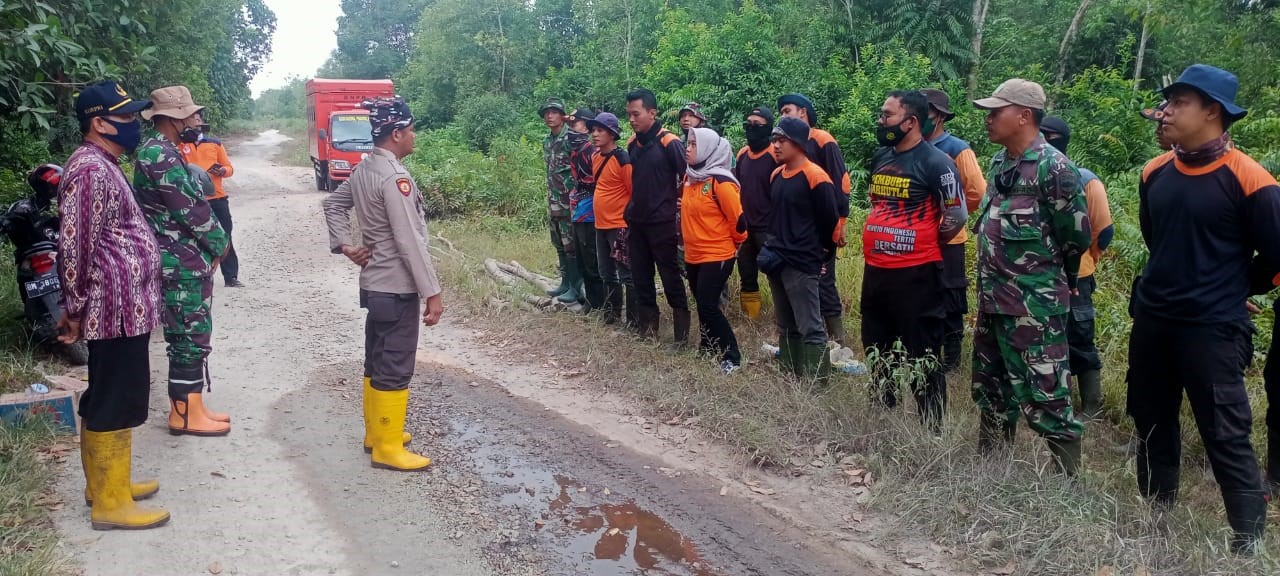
point(338, 128)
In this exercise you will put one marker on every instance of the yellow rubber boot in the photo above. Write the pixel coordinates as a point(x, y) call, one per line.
point(386, 422)
point(751, 304)
point(107, 463)
point(368, 436)
point(139, 490)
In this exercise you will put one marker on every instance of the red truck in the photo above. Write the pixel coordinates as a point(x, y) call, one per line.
point(338, 128)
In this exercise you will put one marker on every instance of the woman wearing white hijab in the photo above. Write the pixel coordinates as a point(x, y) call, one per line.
point(713, 227)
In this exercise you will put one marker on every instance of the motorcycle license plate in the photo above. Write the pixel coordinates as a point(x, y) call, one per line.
point(42, 286)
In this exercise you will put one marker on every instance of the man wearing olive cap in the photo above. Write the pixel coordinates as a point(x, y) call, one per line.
point(397, 277)
point(192, 244)
point(1032, 228)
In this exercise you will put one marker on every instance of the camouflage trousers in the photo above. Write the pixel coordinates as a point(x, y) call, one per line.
point(188, 328)
point(1020, 364)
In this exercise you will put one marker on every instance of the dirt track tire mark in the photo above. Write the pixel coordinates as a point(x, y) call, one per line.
point(731, 536)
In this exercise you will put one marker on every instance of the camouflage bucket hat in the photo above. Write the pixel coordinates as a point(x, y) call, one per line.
point(387, 114)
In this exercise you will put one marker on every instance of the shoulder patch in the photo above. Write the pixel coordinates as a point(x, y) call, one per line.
point(668, 138)
point(405, 186)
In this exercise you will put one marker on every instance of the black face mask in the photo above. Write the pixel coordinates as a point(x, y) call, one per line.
point(189, 135)
point(929, 126)
point(890, 135)
point(1058, 141)
point(758, 135)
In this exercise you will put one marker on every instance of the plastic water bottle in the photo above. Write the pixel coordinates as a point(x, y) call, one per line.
point(855, 367)
point(771, 350)
point(37, 389)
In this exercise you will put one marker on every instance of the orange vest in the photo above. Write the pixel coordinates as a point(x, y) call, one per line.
point(205, 155)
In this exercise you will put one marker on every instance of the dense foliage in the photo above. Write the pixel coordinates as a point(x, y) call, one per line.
point(48, 50)
point(477, 71)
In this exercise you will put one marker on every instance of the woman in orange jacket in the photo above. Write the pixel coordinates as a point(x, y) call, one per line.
point(713, 226)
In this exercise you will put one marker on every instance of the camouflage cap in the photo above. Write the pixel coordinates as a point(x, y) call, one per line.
point(695, 109)
point(1015, 92)
point(387, 114)
point(553, 104)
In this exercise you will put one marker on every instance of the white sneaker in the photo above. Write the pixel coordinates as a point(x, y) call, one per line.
point(727, 367)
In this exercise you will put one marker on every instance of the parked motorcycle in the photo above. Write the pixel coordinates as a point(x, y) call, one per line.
point(32, 227)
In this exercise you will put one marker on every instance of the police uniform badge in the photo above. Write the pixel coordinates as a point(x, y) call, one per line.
point(405, 186)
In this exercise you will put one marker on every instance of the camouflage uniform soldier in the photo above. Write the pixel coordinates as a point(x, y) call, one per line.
point(1033, 227)
point(191, 244)
point(556, 150)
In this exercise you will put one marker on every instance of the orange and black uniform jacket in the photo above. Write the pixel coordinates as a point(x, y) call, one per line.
point(613, 188)
point(657, 167)
point(972, 179)
point(824, 151)
point(709, 214)
point(804, 217)
point(205, 154)
point(755, 171)
point(1203, 225)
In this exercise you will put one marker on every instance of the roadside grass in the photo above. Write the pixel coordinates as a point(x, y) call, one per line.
point(1006, 511)
point(20, 364)
point(28, 538)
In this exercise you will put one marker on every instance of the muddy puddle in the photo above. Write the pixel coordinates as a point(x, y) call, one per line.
point(592, 529)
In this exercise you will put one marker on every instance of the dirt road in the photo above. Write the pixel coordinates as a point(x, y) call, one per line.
point(531, 475)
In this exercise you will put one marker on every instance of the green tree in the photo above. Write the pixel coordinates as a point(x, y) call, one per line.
point(375, 38)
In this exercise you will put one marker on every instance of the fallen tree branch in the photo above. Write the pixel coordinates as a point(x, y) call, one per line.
point(494, 269)
point(514, 268)
point(446, 241)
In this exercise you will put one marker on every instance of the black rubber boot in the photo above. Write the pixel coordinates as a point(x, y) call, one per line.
point(1247, 514)
point(632, 310)
point(612, 303)
point(680, 323)
point(564, 281)
point(995, 434)
point(835, 329)
point(1066, 455)
point(951, 348)
point(1273, 463)
point(1090, 384)
point(815, 363)
point(649, 321)
point(1157, 483)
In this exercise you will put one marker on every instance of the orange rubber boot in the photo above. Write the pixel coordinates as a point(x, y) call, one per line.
point(189, 418)
point(215, 416)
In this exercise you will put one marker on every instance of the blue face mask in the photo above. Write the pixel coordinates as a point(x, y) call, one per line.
point(128, 134)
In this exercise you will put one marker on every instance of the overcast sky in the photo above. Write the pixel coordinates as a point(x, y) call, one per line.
point(304, 38)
